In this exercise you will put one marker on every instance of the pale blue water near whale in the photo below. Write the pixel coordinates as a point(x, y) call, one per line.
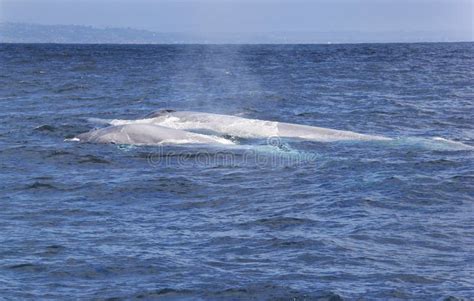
point(355, 221)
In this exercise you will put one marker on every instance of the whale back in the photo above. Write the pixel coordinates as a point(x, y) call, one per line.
point(146, 134)
point(159, 113)
point(218, 124)
point(253, 128)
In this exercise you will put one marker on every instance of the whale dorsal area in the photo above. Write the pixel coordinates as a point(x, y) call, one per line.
point(147, 134)
point(250, 128)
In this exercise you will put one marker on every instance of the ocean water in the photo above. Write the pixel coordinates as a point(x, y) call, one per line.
point(261, 220)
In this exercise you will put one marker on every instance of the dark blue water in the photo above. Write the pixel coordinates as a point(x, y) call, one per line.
point(374, 221)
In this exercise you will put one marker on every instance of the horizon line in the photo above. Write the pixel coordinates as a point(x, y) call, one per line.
point(231, 44)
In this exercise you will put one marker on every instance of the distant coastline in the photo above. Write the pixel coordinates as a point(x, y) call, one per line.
point(80, 34)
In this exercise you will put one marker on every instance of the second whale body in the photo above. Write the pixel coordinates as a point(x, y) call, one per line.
point(147, 134)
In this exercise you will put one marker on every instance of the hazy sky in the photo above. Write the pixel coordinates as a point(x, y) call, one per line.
point(248, 16)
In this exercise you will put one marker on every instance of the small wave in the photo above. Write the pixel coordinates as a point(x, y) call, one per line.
point(43, 178)
point(68, 88)
point(161, 293)
point(436, 143)
point(280, 222)
point(27, 267)
point(53, 250)
point(253, 292)
point(41, 185)
point(93, 159)
point(45, 128)
point(56, 153)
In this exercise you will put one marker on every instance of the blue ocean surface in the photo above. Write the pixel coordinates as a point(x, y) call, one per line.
point(292, 220)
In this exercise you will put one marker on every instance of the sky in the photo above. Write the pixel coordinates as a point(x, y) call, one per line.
point(248, 16)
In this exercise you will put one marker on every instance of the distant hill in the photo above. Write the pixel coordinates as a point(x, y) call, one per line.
point(34, 33)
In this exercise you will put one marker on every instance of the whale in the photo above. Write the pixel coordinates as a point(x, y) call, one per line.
point(147, 134)
point(188, 127)
point(243, 127)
